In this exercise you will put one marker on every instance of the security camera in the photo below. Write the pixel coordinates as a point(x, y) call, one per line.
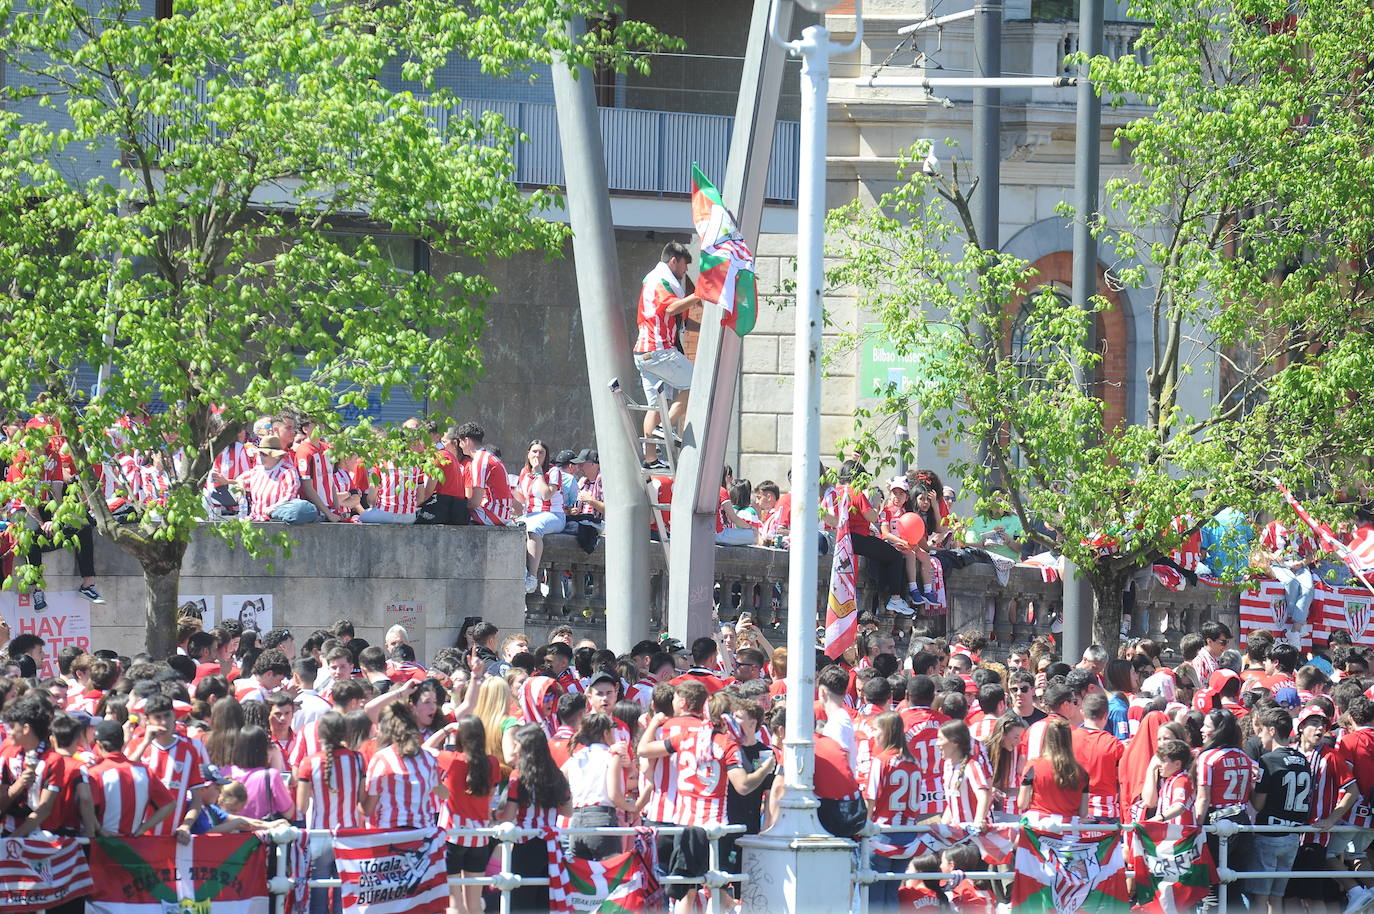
point(930, 165)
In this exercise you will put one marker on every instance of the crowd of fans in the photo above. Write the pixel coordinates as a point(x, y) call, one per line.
point(239, 730)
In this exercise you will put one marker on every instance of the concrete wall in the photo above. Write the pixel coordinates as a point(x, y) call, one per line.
point(334, 571)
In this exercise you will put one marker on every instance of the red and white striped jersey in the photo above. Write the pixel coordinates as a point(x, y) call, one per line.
point(404, 788)
point(592, 487)
point(642, 691)
point(527, 815)
point(181, 767)
point(657, 328)
point(249, 690)
point(960, 783)
point(982, 728)
point(773, 524)
point(703, 757)
point(341, 482)
point(662, 775)
point(553, 502)
point(333, 805)
point(234, 461)
point(305, 744)
point(498, 505)
point(1205, 664)
point(1286, 541)
point(125, 793)
point(922, 727)
point(1178, 789)
point(398, 488)
point(892, 785)
point(1189, 552)
point(1331, 776)
point(865, 739)
point(267, 489)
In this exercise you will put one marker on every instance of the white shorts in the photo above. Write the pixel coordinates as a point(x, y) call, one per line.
point(670, 366)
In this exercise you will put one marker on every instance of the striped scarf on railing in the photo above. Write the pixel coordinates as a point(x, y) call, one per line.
point(559, 902)
point(995, 842)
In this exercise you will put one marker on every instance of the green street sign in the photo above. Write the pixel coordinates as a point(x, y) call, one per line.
point(881, 364)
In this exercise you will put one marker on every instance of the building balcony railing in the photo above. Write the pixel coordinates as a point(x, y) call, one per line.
point(648, 153)
point(755, 579)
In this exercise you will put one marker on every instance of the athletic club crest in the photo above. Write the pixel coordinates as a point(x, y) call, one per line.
point(1357, 616)
point(1077, 870)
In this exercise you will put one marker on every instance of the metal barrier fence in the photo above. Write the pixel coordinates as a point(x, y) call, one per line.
point(509, 834)
point(866, 876)
point(715, 878)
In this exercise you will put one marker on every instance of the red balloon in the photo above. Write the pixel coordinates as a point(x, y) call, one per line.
point(911, 528)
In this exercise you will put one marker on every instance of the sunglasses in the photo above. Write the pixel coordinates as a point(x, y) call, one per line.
point(1021, 688)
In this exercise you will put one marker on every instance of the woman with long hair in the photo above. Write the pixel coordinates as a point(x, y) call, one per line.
point(537, 794)
point(226, 722)
point(425, 704)
point(470, 773)
point(596, 773)
point(892, 770)
point(1003, 751)
point(540, 493)
point(967, 779)
point(1226, 777)
point(1055, 784)
point(493, 709)
point(1121, 688)
point(251, 766)
point(328, 784)
point(402, 778)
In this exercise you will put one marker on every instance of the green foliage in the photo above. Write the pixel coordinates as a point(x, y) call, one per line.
point(255, 153)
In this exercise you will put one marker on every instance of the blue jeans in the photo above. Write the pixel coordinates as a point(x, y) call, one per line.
point(322, 866)
point(882, 896)
point(296, 511)
point(1298, 589)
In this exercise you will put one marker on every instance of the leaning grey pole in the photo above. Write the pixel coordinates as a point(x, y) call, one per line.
point(987, 122)
point(608, 351)
point(691, 573)
point(1078, 597)
point(795, 866)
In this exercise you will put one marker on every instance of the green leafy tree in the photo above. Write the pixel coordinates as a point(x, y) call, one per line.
point(226, 263)
point(1245, 228)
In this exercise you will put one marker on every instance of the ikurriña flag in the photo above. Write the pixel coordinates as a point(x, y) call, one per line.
point(1070, 872)
point(1173, 867)
point(223, 874)
point(392, 872)
point(41, 872)
point(619, 884)
point(726, 275)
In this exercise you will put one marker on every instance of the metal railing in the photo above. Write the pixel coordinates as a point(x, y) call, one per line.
point(647, 152)
point(508, 834)
point(1225, 829)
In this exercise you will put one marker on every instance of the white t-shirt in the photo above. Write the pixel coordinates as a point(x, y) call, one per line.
point(586, 774)
point(840, 728)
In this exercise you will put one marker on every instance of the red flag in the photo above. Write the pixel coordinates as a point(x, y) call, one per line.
point(36, 873)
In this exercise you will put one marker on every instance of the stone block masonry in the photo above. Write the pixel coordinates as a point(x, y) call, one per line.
point(334, 571)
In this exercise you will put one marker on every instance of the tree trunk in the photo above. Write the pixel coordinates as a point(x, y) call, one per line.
point(161, 563)
point(1107, 590)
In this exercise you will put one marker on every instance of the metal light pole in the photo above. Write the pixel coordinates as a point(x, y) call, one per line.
point(796, 855)
point(1078, 597)
point(987, 122)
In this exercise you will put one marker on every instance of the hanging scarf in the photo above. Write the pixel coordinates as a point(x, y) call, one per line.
point(532, 692)
point(559, 902)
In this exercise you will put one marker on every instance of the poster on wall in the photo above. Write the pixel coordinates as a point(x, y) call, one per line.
point(410, 616)
point(64, 622)
point(252, 610)
point(198, 606)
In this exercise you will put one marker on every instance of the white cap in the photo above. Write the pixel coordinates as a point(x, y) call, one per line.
point(899, 482)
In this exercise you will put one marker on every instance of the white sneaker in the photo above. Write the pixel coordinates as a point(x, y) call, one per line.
point(531, 583)
point(1358, 897)
point(900, 606)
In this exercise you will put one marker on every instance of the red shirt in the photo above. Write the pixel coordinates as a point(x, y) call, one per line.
point(859, 505)
point(663, 772)
point(404, 788)
point(833, 780)
point(1178, 789)
point(921, 727)
point(456, 479)
point(703, 758)
point(711, 681)
point(1048, 798)
point(893, 788)
point(1226, 776)
point(1357, 747)
point(1100, 753)
point(464, 809)
point(65, 773)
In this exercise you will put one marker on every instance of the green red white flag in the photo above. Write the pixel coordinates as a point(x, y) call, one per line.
point(391, 872)
point(223, 874)
point(1173, 867)
point(39, 873)
point(1068, 873)
point(619, 884)
point(726, 276)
